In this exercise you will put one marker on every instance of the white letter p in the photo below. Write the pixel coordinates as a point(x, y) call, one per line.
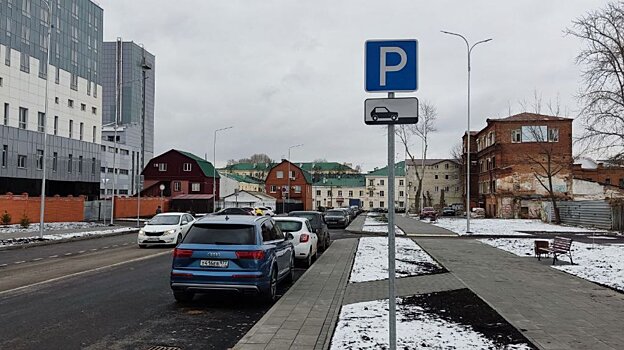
point(382, 62)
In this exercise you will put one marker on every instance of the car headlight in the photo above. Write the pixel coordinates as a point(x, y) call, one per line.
point(141, 232)
point(170, 232)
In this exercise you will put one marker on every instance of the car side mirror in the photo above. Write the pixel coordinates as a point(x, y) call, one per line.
point(184, 222)
point(290, 236)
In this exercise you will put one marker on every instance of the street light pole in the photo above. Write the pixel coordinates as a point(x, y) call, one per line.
point(45, 123)
point(288, 193)
point(469, 51)
point(214, 168)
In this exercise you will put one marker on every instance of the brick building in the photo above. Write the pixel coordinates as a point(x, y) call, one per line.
point(604, 172)
point(277, 186)
point(511, 153)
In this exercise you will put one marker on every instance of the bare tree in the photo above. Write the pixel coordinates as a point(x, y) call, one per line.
point(546, 162)
point(602, 95)
point(407, 134)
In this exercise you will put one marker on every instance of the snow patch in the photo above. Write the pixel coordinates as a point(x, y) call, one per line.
point(507, 227)
point(373, 224)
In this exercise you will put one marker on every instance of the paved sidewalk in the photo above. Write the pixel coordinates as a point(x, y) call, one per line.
point(414, 227)
point(356, 225)
point(305, 317)
point(552, 309)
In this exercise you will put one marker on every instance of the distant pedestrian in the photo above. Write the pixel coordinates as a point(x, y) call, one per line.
point(158, 210)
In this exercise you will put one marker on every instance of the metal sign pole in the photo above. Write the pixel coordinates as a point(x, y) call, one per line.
point(391, 243)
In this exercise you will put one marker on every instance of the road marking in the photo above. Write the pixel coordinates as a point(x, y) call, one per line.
point(84, 272)
point(53, 256)
point(37, 259)
point(93, 250)
point(19, 262)
point(125, 244)
point(66, 254)
point(80, 252)
point(105, 247)
point(115, 246)
point(4, 265)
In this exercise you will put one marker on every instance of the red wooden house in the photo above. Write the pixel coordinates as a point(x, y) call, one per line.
point(277, 186)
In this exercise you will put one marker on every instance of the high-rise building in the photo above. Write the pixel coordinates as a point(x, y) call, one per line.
point(128, 85)
point(74, 120)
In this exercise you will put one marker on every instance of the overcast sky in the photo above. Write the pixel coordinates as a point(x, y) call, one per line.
point(288, 72)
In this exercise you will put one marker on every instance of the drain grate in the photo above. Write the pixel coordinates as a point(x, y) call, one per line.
point(161, 347)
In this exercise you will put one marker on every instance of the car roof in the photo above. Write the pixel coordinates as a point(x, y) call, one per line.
point(231, 219)
point(290, 218)
point(305, 212)
point(171, 213)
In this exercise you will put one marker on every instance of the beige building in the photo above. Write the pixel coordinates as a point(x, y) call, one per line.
point(441, 176)
point(376, 192)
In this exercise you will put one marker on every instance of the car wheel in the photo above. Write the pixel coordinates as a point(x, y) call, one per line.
point(291, 272)
point(271, 294)
point(375, 118)
point(309, 259)
point(394, 117)
point(327, 242)
point(182, 296)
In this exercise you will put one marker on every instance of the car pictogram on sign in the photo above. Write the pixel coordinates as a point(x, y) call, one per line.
point(383, 113)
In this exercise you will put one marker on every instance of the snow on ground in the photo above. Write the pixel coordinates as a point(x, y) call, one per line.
point(372, 224)
point(25, 240)
point(365, 326)
point(598, 263)
point(509, 227)
point(371, 260)
point(51, 226)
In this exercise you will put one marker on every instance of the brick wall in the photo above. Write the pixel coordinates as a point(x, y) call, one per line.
point(57, 209)
point(126, 207)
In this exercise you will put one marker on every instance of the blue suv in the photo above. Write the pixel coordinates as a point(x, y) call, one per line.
point(245, 254)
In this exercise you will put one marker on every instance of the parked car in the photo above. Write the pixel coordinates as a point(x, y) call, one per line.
point(428, 212)
point(233, 211)
point(165, 228)
point(244, 254)
point(305, 240)
point(250, 210)
point(337, 217)
point(266, 211)
point(317, 221)
point(448, 211)
point(383, 113)
point(348, 212)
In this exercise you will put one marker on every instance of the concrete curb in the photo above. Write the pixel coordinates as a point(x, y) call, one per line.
point(65, 240)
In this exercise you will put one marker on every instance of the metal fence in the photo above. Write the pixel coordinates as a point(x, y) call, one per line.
point(598, 214)
point(97, 210)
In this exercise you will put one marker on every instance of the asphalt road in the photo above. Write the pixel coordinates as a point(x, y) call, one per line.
point(108, 294)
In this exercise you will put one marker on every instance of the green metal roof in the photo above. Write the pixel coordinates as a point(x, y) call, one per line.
point(399, 170)
point(307, 176)
point(323, 166)
point(243, 178)
point(204, 165)
point(359, 181)
point(250, 166)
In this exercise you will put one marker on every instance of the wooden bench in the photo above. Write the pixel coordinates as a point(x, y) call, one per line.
point(559, 246)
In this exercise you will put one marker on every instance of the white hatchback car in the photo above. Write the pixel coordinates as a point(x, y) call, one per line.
point(304, 239)
point(165, 228)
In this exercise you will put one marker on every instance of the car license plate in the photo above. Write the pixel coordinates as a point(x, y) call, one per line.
point(152, 239)
point(213, 263)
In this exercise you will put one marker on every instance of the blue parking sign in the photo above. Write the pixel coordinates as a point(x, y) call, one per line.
point(391, 65)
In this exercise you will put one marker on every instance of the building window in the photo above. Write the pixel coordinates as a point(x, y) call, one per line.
point(350, 193)
point(435, 177)
point(21, 161)
point(124, 152)
point(7, 52)
point(83, 107)
point(94, 134)
point(39, 159)
point(74, 83)
point(163, 167)
point(329, 193)
point(1, 81)
point(57, 77)
point(381, 193)
point(516, 136)
point(186, 167)
point(371, 182)
point(297, 189)
point(93, 166)
point(124, 172)
point(71, 129)
point(401, 183)
point(382, 204)
point(94, 110)
point(88, 82)
point(25, 34)
point(361, 193)
point(273, 188)
point(381, 182)
point(553, 135)
point(370, 193)
point(446, 176)
point(177, 186)
point(54, 161)
point(6, 114)
point(437, 189)
point(81, 131)
point(195, 187)
point(339, 193)
point(56, 120)
point(291, 174)
point(370, 204)
point(80, 165)
point(400, 193)
point(608, 181)
point(5, 154)
point(318, 192)
point(279, 174)
point(69, 163)
point(70, 103)
point(23, 117)
point(318, 204)
point(24, 62)
point(26, 8)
